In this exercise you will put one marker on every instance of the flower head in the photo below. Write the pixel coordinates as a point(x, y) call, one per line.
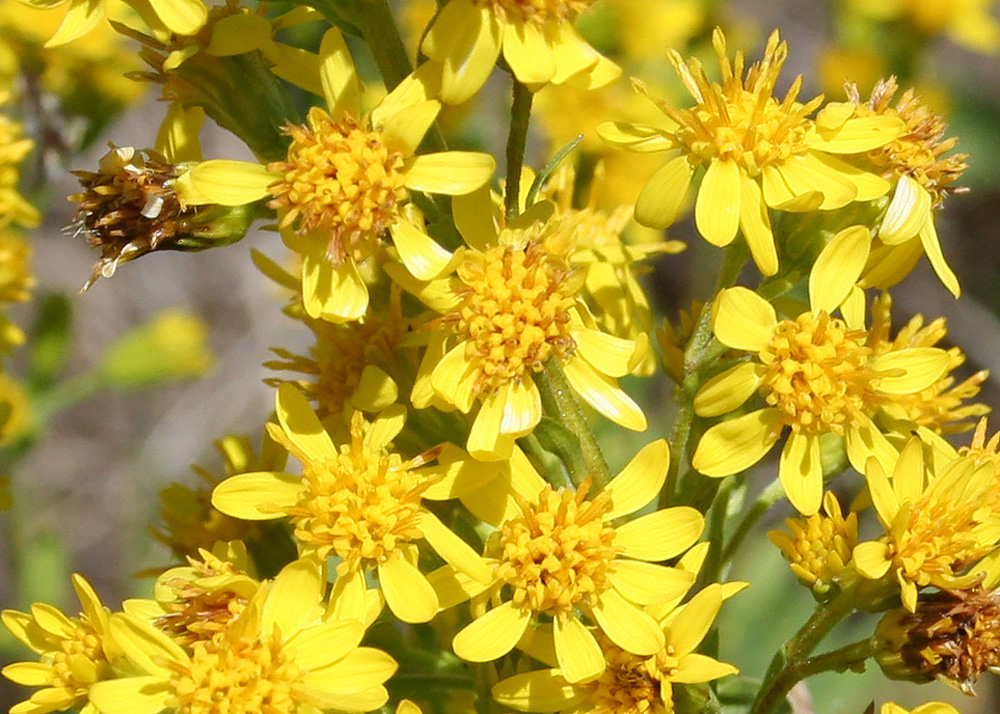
point(74, 653)
point(758, 152)
point(14, 208)
point(938, 521)
point(558, 556)
point(358, 501)
point(344, 182)
point(279, 655)
point(536, 37)
point(816, 376)
point(181, 16)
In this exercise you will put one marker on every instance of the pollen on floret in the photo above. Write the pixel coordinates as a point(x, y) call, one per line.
point(817, 373)
point(818, 547)
point(339, 176)
point(198, 612)
point(537, 11)
point(556, 553)
point(514, 311)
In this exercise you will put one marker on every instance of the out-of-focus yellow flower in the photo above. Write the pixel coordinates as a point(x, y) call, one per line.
point(647, 27)
point(15, 409)
point(513, 304)
point(344, 183)
point(968, 22)
point(75, 653)
point(927, 708)
point(14, 208)
point(817, 376)
point(559, 555)
point(358, 501)
point(171, 346)
point(819, 546)
point(16, 277)
point(759, 153)
point(537, 40)
point(938, 521)
point(280, 655)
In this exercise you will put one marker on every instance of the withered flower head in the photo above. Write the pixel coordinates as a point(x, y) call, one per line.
point(953, 636)
point(127, 207)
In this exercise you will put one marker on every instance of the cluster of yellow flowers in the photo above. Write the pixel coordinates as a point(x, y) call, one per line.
point(448, 521)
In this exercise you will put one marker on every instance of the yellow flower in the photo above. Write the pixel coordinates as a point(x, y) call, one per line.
point(512, 305)
point(536, 37)
point(13, 149)
point(344, 182)
point(938, 521)
point(968, 22)
point(558, 556)
point(758, 153)
point(16, 278)
point(819, 546)
point(922, 174)
point(357, 501)
point(630, 683)
point(281, 655)
point(817, 376)
point(74, 653)
point(928, 708)
point(184, 17)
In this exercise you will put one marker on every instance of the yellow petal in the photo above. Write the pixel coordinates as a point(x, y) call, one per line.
point(662, 198)
point(869, 186)
point(686, 629)
point(932, 247)
point(407, 592)
point(697, 668)
point(238, 34)
point(908, 474)
point(864, 441)
point(454, 550)
point(871, 559)
point(295, 596)
point(493, 635)
point(475, 217)
point(728, 391)
point(454, 378)
point(230, 183)
point(756, 226)
point(649, 583)
point(465, 38)
point(453, 586)
point(131, 695)
point(640, 481)
point(301, 425)
point(522, 408)
point(580, 657)
point(29, 674)
point(743, 320)
point(612, 355)
point(362, 670)
point(527, 53)
point(661, 534)
point(800, 470)
point(853, 308)
point(376, 390)
point(543, 690)
point(82, 17)
point(805, 174)
point(448, 172)
point(856, 135)
point(185, 17)
point(177, 138)
point(604, 395)
point(910, 370)
point(326, 643)
point(258, 495)
point(348, 599)
point(640, 138)
point(717, 208)
point(909, 208)
point(838, 268)
point(420, 253)
point(737, 444)
point(339, 79)
point(486, 440)
point(627, 625)
point(147, 648)
point(333, 293)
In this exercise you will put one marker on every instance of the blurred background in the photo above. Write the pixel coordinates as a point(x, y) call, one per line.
point(86, 494)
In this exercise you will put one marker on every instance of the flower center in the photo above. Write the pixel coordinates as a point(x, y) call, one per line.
point(361, 506)
point(628, 685)
point(740, 120)
point(339, 176)
point(816, 373)
point(537, 11)
point(236, 678)
point(557, 552)
point(198, 612)
point(514, 313)
point(80, 660)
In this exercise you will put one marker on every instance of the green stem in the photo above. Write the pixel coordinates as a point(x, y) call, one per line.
point(768, 497)
point(712, 570)
point(552, 464)
point(792, 654)
point(851, 656)
point(699, 350)
point(560, 403)
point(382, 37)
point(520, 113)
